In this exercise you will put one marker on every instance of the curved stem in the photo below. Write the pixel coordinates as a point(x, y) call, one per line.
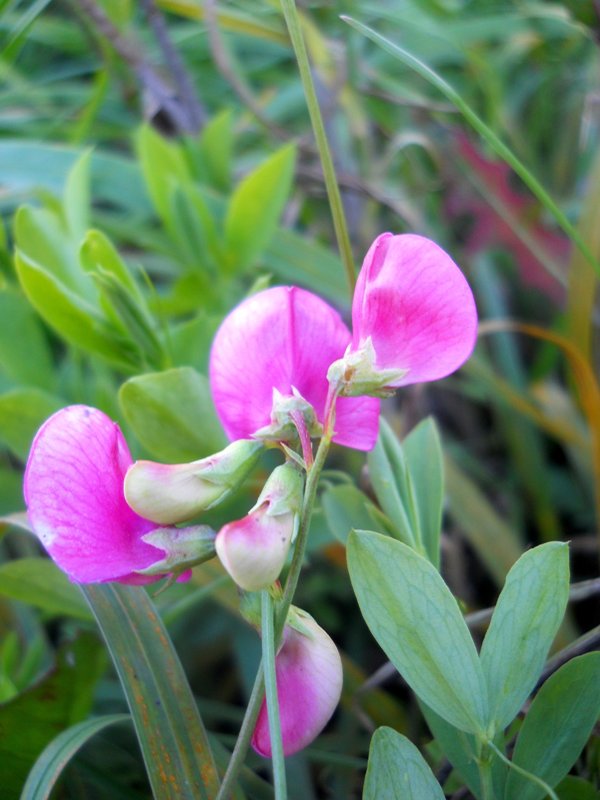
point(268, 659)
point(529, 775)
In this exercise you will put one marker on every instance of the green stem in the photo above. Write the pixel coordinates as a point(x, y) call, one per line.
point(268, 659)
point(528, 775)
point(333, 193)
point(254, 703)
point(485, 776)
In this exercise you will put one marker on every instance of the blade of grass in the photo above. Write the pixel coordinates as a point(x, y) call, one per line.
point(483, 130)
point(171, 734)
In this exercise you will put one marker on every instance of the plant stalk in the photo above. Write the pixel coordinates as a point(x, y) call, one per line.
point(269, 650)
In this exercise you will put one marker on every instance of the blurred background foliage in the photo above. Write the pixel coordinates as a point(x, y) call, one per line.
point(156, 165)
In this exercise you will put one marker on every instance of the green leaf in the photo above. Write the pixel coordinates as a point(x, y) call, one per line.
point(572, 788)
point(49, 767)
point(255, 207)
point(525, 621)
point(346, 507)
point(76, 200)
point(61, 698)
point(25, 355)
point(423, 453)
point(97, 252)
point(459, 747)
point(22, 411)
point(172, 414)
point(163, 166)
point(398, 771)
point(39, 582)
point(215, 146)
point(417, 622)
point(392, 485)
point(74, 319)
point(171, 734)
point(557, 726)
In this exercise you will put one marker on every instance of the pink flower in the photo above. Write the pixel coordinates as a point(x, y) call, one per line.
point(74, 495)
point(309, 685)
point(413, 314)
point(283, 339)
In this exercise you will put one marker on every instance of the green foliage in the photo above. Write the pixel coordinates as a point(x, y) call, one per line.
point(22, 411)
point(40, 582)
point(62, 697)
point(172, 414)
point(397, 770)
point(417, 622)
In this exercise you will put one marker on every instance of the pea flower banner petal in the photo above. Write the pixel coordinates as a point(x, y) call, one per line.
point(74, 495)
point(283, 339)
point(309, 684)
point(413, 309)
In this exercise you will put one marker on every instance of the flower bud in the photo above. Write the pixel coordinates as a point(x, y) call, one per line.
point(170, 493)
point(283, 413)
point(309, 684)
point(253, 550)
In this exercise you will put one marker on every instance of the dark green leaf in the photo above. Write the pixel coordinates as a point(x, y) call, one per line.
point(39, 582)
point(417, 622)
point(346, 507)
point(22, 411)
point(25, 356)
point(49, 766)
point(557, 726)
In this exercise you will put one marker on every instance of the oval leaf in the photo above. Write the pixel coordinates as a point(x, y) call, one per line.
point(398, 771)
point(524, 624)
point(417, 622)
point(557, 726)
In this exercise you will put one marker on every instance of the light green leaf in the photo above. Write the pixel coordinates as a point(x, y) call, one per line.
point(398, 771)
point(22, 411)
point(392, 485)
point(171, 734)
point(417, 622)
point(557, 726)
point(76, 200)
point(39, 582)
point(172, 414)
point(163, 166)
point(423, 453)
point(75, 320)
point(255, 207)
point(97, 252)
point(459, 747)
point(49, 767)
point(215, 146)
point(346, 507)
point(525, 621)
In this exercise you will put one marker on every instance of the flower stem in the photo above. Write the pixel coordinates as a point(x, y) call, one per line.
point(313, 473)
point(485, 776)
point(333, 193)
point(268, 659)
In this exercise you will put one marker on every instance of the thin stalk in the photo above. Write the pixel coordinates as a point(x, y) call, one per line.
point(485, 776)
point(333, 193)
point(529, 775)
point(268, 657)
point(254, 703)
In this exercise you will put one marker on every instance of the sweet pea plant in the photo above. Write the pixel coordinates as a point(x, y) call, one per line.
point(247, 474)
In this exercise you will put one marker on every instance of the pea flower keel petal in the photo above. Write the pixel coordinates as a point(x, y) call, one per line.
point(309, 685)
point(74, 494)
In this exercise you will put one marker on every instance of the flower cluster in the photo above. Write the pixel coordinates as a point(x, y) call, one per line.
point(284, 368)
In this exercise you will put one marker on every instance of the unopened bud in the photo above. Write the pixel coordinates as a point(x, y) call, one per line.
point(284, 414)
point(357, 374)
point(170, 493)
point(253, 550)
point(183, 548)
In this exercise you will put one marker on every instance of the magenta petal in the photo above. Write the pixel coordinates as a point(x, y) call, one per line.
point(414, 303)
point(282, 338)
point(309, 685)
point(74, 494)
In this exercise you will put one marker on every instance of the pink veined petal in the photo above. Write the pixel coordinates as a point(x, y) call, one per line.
point(309, 685)
point(74, 494)
point(281, 338)
point(417, 307)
